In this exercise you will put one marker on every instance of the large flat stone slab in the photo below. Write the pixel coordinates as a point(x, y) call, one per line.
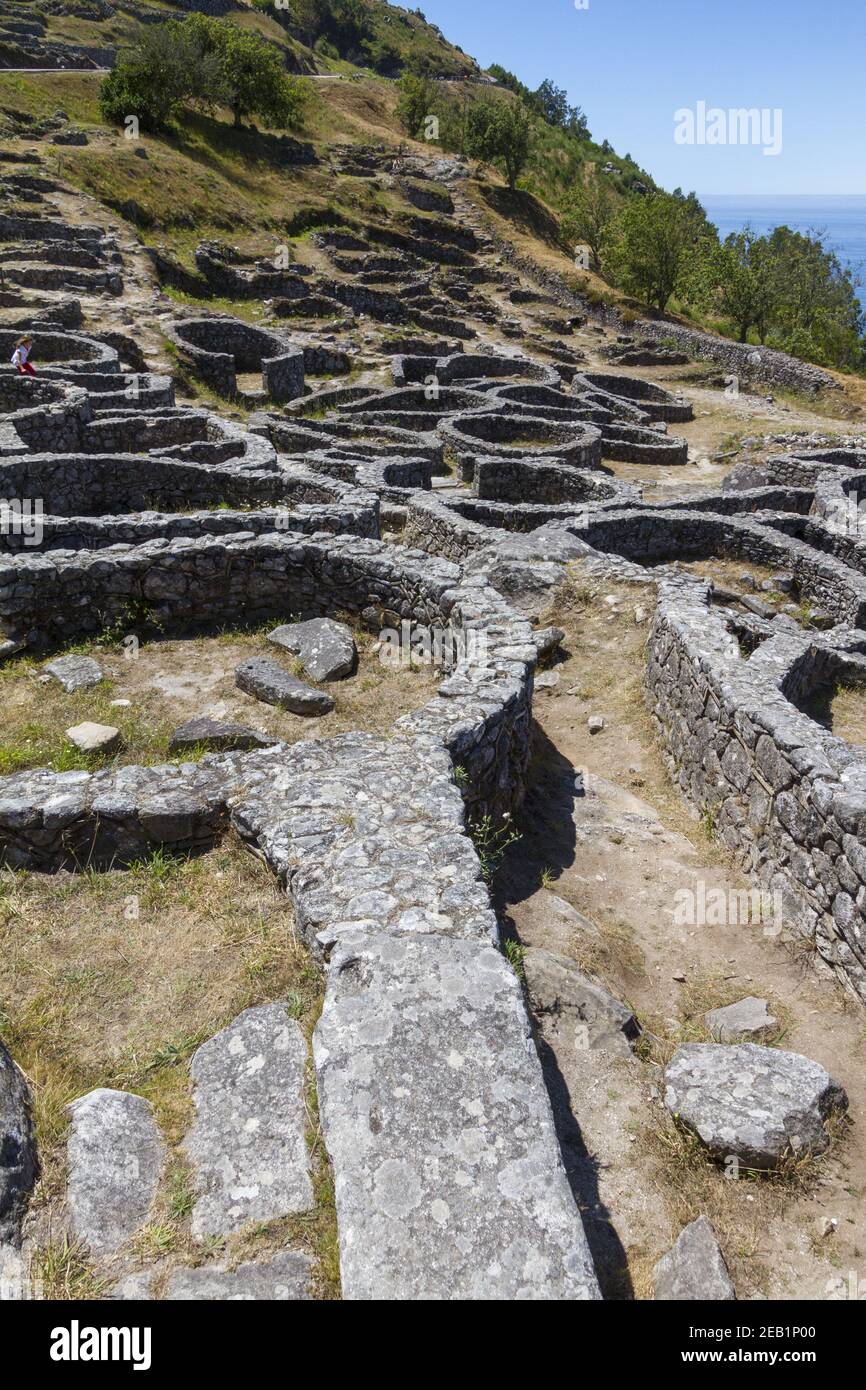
point(284, 1278)
point(326, 648)
point(749, 1020)
point(267, 681)
point(19, 1165)
point(219, 735)
point(449, 1182)
point(755, 1104)
point(75, 672)
point(115, 1155)
point(280, 1278)
point(247, 1143)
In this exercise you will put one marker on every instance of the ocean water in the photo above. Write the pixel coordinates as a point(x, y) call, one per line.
point(841, 216)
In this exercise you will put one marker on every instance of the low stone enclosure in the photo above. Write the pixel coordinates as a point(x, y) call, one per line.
point(218, 348)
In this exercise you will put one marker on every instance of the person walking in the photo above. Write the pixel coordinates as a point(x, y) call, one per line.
point(21, 357)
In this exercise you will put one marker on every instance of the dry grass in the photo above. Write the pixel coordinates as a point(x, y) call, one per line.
point(606, 663)
point(845, 712)
point(698, 995)
point(170, 681)
point(113, 979)
point(742, 1208)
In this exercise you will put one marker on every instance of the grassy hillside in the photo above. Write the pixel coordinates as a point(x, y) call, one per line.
point(391, 40)
point(206, 179)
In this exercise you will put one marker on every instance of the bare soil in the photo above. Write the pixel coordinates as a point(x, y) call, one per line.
point(619, 854)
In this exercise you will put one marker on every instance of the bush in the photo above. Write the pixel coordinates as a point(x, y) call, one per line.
point(382, 55)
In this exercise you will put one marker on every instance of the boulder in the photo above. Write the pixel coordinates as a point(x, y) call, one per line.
point(326, 648)
point(247, 1144)
point(748, 1018)
point(19, 1166)
point(548, 640)
point(571, 1004)
point(215, 734)
point(755, 1104)
point(115, 1155)
point(75, 672)
point(757, 606)
point(694, 1268)
point(267, 681)
point(94, 738)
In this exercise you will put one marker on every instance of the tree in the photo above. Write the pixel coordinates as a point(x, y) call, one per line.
point(255, 80)
point(552, 103)
point(205, 62)
point(744, 272)
point(154, 78)
point(577, 123)
point(497, 132)
point(307, 16)
point(817, 314)
point(414, 104)
point(657, 241)
point(588, 216)
point(347, 23)
point(514, 84)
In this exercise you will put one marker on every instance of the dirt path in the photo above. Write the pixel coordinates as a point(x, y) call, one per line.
point(619, 853)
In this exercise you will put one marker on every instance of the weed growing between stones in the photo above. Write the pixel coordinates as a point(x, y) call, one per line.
point(492, 839)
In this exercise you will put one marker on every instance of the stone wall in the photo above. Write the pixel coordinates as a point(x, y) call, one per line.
point(482, 715)
point(653, 535)
point(776, 367)
point(783, 792)
point(218, 348)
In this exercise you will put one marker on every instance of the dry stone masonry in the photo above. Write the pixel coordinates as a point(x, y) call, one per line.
point(439, 496)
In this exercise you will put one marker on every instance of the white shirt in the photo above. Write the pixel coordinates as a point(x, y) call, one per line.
point(20, 355)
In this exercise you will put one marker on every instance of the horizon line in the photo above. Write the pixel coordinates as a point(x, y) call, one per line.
point(752, 194)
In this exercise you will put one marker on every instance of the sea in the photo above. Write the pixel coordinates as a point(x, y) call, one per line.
point(841, 216)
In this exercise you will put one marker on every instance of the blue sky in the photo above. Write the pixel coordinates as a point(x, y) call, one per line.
point(632, 63)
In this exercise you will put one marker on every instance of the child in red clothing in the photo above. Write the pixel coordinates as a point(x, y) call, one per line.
point(21, 355)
